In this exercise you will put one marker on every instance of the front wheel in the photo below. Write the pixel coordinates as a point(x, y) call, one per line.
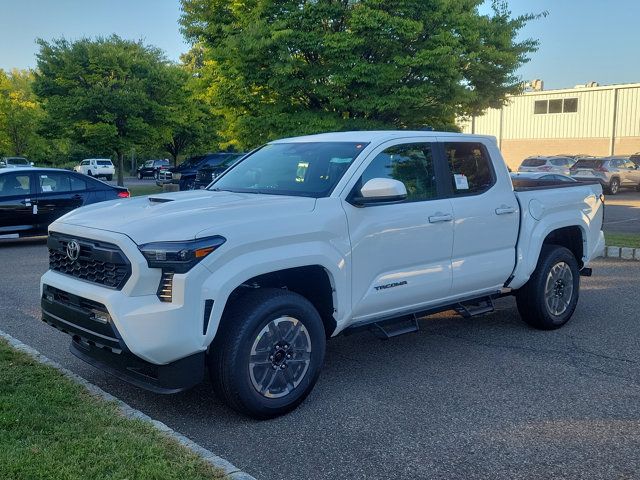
point(547, 301)
point(155, 175)
point(268, 353)
point(140, 176)
point(109, 178)
point(89, 173)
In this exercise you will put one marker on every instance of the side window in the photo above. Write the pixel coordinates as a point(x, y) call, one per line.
point(148, 164)
point(85, 162)
point(54, 182)
point(14, 184)
point(411, 164)
point(77, 184)
point(470, 167)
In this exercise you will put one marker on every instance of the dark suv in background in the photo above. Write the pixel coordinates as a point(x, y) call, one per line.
point(150, 168)
point(185, 173)
point(211, 169)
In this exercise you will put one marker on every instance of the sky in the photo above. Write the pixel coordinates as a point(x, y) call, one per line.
point(580, 40)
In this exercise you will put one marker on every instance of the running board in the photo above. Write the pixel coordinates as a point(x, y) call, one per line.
point(475, 308)
point(392, 328)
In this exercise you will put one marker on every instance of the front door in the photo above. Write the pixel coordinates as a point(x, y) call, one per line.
point(16, 205)
point(401, 252)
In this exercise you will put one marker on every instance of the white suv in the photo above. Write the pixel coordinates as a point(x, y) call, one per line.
point(560, 164)
point(97, 167)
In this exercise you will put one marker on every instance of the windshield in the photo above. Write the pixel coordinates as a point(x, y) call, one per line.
point(301, 169)
point(18, 161)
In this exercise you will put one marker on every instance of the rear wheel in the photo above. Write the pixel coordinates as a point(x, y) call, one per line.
point(109, 177)
point(614, 186)
point(268, 353)
point(89, 173)
point(547, 301)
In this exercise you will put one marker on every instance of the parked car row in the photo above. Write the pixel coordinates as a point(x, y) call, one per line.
point(31, 198)
point(613, 173)
point(11, 162)
point(198, 171)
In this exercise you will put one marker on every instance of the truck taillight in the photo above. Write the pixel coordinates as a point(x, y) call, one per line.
point(124, 194)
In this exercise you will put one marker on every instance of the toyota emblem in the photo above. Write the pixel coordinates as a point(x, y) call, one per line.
point(73, 250)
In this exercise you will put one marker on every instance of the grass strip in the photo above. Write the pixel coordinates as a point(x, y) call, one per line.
point(622, 239)
point(51, 427)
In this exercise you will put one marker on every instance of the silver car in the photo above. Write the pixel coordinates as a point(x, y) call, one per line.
point(554, 164)
point(613, 173)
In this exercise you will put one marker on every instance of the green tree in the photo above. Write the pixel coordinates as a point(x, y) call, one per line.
point(20, 114)
point(285, 67)
point(107, 95)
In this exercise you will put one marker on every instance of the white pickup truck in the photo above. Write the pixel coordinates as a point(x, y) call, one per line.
point(304, 239)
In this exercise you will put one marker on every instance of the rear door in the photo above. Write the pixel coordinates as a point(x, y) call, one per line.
point(486, 216)
point(633, 173)
point(16, 204)
point(55, 196)
point(401, 252)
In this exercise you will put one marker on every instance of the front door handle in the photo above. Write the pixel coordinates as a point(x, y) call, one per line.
point(505, 210)
point(440, 217)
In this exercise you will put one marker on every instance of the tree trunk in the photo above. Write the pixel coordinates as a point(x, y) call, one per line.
point(120, 169)
point(175, 159)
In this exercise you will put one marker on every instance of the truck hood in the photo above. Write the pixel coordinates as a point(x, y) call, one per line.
point(182, 215)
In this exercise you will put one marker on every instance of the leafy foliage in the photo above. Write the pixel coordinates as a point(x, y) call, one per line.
point(108, 94)
point(20, 115)
point(274, 68)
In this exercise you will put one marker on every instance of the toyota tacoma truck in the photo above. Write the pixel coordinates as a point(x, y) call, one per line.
point(306, 238)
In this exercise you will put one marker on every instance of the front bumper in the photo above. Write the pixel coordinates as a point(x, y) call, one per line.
point(97, 341)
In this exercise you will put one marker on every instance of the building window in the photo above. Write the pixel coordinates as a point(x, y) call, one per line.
point(541, 107)
point(555, 106)
point(568, 105)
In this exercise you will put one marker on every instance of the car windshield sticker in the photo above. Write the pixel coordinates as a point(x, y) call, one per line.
point(461, 181)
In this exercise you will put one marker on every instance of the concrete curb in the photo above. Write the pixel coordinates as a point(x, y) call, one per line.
point(231, 472)
point(623, 253)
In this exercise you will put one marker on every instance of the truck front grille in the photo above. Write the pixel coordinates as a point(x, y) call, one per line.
point(97, 262)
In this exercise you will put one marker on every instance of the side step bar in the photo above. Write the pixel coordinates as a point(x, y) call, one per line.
point(475, 308)
point(394, 327)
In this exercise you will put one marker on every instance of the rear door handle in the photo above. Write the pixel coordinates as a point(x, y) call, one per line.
point(505, 210)
point(440, 217)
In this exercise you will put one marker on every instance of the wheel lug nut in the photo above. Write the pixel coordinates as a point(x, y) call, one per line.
point(270, 357)
point(275, 367)
point(283, 366)
point(288, 355)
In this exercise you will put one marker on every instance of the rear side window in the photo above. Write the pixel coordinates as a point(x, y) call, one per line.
point(411, 164)
point(470, 166)
point(54, 182)
point(534, 162)
point(77, 184)
point(588, 163)
point(561, 162)
point(105, 162)
point(14, 184)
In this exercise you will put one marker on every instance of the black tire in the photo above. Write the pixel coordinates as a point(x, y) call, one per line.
point(531, 298)
point(155, 175)
point(109, 177)
point(89, 173)
point(241, 329)
point(140, 176)
point(614, 186)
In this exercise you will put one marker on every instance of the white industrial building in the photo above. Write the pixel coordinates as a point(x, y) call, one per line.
point(588, 119)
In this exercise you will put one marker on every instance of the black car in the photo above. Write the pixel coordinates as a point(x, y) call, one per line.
point(32, 198)
point(150, 168)
point(207, 173)
point(188, 170)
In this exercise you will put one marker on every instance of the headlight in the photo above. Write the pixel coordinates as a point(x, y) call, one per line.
point(179, 257)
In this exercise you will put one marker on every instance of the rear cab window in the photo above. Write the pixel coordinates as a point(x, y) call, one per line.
point(470, 168)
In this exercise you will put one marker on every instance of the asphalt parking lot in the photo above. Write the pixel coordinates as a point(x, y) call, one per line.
point(622, 212)
point(461, 399)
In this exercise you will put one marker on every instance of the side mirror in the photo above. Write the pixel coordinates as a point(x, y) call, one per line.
point(381, 190)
